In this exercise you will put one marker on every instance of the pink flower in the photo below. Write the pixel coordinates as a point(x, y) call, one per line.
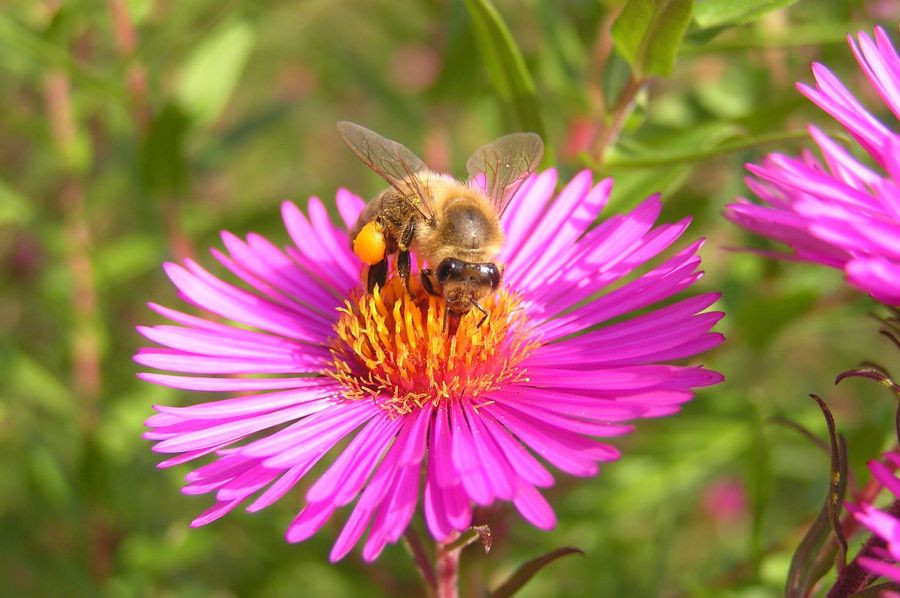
point(842, 213)
point(725, 501)
point(885, 525)
point(313, 362)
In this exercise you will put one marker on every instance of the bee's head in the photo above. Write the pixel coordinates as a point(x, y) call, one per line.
point(464, 284)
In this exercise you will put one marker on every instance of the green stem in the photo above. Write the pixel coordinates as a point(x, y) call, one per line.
point(417, 551)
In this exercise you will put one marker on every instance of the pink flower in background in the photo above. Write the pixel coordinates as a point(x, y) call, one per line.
point(840, 213)
point(885, 525)
point(314, 363)
point(725, 501)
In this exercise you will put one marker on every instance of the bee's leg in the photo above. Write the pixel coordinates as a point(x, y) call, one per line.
point(377, 275)
point(425, 273)
point(451, 322)
point(481, 309)
point(403, 268)
point(403, 259)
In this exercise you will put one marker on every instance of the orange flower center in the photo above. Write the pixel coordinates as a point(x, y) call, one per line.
point(393, 347)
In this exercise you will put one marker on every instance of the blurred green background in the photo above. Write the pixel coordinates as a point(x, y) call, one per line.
point(133, 131)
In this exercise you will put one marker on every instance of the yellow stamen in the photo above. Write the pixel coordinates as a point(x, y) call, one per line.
point(392, 346)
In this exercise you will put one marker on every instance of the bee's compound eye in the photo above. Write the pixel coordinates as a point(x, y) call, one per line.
point(491, 272)
point(449, 267)
point(369, 245)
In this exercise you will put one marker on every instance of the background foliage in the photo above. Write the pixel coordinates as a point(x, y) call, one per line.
point(132, 131)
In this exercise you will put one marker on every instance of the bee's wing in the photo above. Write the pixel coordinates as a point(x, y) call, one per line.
point(393, 161)
point(505, 164)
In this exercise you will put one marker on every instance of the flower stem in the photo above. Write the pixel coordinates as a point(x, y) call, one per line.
point(447, 569)
point(854, 577)
point(609, 130)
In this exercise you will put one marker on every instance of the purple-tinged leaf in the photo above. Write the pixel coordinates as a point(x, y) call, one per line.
point(877, 591)
point(871, 371)
point(813, 556)
point(524, 573)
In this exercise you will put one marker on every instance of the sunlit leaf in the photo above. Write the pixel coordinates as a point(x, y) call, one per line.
point(505, 65)
point(212, 70)
point(648, 33)
point(128, 258)
point(14, 207)
point(712, 13)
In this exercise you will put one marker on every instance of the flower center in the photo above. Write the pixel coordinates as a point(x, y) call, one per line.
point(393, 347)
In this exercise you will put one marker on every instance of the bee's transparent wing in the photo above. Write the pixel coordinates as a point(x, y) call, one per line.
point(393, 161)
point(505, 164)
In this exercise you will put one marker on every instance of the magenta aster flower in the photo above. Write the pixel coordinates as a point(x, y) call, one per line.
point(842, 213)
point(883, 561)
point(315, 362)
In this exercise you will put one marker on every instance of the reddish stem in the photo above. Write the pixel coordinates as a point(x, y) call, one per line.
point(612, 125)
point(72, 200)
point(135, 75)
point(447, 569)
point(603, 48)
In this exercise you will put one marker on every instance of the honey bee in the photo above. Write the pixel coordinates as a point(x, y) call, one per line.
point(452, 226)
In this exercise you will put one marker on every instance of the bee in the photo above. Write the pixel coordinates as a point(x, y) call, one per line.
point(452, 226)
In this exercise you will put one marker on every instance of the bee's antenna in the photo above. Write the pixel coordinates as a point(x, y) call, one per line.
point(481, 309)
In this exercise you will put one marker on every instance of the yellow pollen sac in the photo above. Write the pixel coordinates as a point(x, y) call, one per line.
point(369, 245)
point(391, 347)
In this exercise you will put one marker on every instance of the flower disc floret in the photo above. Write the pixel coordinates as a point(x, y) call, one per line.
point(395, 345)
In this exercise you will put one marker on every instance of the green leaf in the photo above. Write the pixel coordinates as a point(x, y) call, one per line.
point(212, 70)
point(48, 476)
point(21, 41)
point(29, 378)
point(648, 32)
point(713, 13)
point(653, 157)
point(759, 486)
point(634, 186)
point(163, 166)
point(121, 261)
point(762, 317)
point(14, 207)
point(505, 65)
point(523, 574)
